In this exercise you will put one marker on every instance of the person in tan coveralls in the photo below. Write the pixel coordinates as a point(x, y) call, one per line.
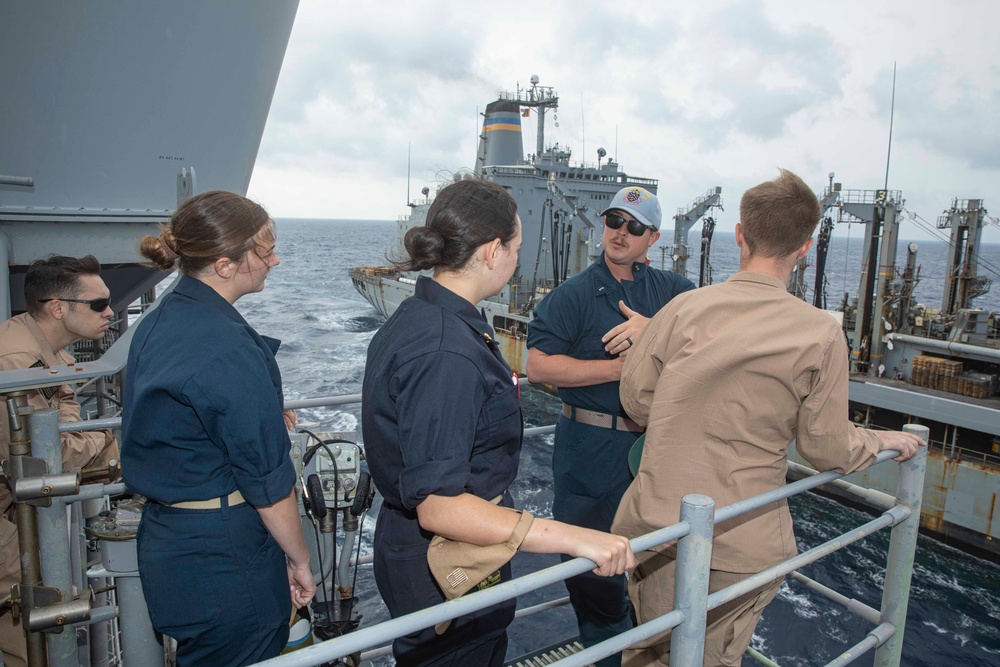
point(66, 300)
point(724, 378)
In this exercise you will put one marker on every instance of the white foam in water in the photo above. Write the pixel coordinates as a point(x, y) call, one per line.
point(801, 602)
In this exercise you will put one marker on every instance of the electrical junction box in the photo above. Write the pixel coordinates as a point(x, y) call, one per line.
point(338, 465)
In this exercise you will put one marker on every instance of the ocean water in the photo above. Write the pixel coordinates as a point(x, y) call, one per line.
point(311, 305)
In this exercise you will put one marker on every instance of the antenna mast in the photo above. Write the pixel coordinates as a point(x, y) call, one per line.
point(892, 110)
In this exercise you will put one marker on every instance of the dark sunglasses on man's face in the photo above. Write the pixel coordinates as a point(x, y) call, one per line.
point(96, 305)
point(635, 228)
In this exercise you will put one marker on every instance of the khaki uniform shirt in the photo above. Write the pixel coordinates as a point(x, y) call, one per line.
point(724, 378)
point(22, 345)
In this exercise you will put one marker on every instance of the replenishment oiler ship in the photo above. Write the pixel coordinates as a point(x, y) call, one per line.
point(910, 364)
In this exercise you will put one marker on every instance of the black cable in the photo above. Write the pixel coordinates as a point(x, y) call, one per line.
point(357, 565)
point(306, 458)
point(319, 554)
point(319, 550)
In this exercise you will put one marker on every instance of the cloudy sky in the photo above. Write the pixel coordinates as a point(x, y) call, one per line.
point(696, 94)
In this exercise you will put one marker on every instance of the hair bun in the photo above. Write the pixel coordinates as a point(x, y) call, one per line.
point(161, 250)
point(425, 247)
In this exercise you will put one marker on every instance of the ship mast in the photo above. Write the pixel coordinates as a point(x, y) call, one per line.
point(540, 98)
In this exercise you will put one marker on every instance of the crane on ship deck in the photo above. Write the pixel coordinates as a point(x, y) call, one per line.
point(685, 219)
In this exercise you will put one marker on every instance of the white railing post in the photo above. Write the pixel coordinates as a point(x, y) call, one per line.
point(694, 559)
point(902, 550)
point(53, 533)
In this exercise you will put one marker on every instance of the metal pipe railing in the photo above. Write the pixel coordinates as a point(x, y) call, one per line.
point(95, 491)
point(542, 606)
point(878, 636)
point(871, 496)
point(673, 619)
point(902, 551)
point(425, 618)
point(685, 619)
point(520, 613)
point(25, 516)
point(103, 424)
point(694, 558)
point(53, 533)
point(761, 659)
point(895, 516)
point(300, 403)
point(856, 607)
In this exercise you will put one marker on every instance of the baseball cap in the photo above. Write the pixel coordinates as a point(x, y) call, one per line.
point(640, 203)
point(458, 567)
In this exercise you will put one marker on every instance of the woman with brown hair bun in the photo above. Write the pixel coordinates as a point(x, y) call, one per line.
point(221, 553)
point(442, 428)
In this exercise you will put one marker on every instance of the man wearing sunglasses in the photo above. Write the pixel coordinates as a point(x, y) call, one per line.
point(66, 300)
point(577, 341)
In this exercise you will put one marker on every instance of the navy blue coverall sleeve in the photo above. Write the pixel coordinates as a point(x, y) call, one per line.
point(236, 402)
point(439, 397)
point(556, 323)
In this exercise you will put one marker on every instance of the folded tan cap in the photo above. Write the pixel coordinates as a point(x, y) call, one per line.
point(458, 567)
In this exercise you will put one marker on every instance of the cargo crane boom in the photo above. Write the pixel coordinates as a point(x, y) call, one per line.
point(685, 219)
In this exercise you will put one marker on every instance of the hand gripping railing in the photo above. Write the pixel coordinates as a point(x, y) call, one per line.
point(692, 600)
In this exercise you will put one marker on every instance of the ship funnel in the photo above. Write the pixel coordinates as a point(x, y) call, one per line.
point(500, 141)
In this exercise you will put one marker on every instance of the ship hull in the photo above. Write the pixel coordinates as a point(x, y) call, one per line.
point(958, 503)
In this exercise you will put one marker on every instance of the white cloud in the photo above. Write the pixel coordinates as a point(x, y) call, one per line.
point(695, 94)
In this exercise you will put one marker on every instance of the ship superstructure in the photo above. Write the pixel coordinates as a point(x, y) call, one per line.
point(101, 138)
point(559, 203)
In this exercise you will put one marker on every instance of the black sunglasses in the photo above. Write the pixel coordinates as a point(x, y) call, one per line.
point(635, 228)
point(96, 305)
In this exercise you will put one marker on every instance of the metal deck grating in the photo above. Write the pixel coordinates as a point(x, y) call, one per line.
point(547, 655)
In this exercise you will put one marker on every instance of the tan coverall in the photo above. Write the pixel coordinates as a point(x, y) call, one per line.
point(22, 345)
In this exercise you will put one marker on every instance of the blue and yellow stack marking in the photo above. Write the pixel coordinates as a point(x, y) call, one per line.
point(502, 121)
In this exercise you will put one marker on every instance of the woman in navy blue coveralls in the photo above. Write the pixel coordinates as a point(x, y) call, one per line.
point(221, 552)
point(442, 427)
